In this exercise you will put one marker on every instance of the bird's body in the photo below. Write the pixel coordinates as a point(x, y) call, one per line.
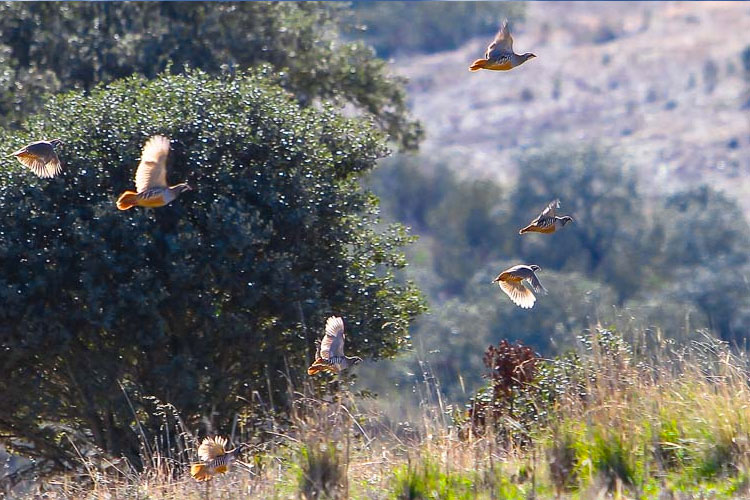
point(215, 460)
point(499, 55)
point(151, 178)
point(40, 157)
point(331, 355)
point(547, 222)
point(511, 282)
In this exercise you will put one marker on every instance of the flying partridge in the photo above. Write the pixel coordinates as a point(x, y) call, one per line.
point(511, 282)
point(547, 222)
point(331, 356)
point(215, 459)
point(499, 56)
point(151, 178)
point(40, 157)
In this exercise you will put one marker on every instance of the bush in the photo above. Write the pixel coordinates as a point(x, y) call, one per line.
point(206, 302)
point(512, 370)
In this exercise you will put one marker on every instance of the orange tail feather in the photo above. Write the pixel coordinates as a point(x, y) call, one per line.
point(527, 229)
point(127, 200)
point(199, 472)
point(478, 64)
point(317, 367)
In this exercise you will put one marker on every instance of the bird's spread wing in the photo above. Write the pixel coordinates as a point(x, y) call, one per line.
point(152, 170)
point(40, 157)
point(333, 341)
point(211, 448)
point(519, 294)
point(502, 43)
point(536, 284)
point(37, 165)
point(549, 210)
point(53, 166)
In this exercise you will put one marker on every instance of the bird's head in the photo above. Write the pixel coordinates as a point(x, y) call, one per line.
point(354, 360)
point(56, 142)
point(527, 56)
point(535, 268)
point(565, 219)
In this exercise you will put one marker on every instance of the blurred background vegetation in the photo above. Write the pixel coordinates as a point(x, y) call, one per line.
point(283, 115)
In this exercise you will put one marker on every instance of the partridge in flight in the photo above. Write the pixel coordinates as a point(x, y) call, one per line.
point(40, 158)
point(151, 178)
point(331, 355)
point(511, 282)
point(547, 222)
point(215, 460)
point(499, 56)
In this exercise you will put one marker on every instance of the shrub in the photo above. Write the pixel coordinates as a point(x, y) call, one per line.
point(206, 302)
point(512, 369)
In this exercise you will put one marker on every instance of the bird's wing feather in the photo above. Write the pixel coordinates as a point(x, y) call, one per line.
point(519, 294)
point(536, 284)
point(34, 163)
point(53, 165)
point(211, 448)
point(333, 341)
point(152, 170)
point(549, 210)
point(18, 152)
point(502, 43)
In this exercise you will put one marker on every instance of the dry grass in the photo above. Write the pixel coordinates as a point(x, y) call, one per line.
point(647, 418)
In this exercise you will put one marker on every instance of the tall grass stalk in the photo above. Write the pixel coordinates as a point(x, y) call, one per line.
point(641, 417)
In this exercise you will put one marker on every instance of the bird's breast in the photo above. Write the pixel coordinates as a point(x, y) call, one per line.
point(499, 65)
point(157, 197)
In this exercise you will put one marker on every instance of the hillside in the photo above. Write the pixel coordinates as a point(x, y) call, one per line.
point(635, 75)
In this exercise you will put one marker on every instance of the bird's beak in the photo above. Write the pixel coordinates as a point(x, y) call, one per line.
point(188, 188)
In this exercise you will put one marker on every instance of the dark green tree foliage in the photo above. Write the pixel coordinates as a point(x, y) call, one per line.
point(407, 27)
point(606, 241)
point(202, 303)
point(705, 256)
point(677, 263)
point(465, 218)
point(473, 224)
point(49, 47)
point(704, 226)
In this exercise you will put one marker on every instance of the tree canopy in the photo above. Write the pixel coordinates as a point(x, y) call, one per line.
point(47, 48)
point(206, 302)
point(675, 262)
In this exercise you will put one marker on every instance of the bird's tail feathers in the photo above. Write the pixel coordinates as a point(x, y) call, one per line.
point(199, 472)
point(478, 64)
point(127, 200)
point(527, 229)
point(318, 367)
